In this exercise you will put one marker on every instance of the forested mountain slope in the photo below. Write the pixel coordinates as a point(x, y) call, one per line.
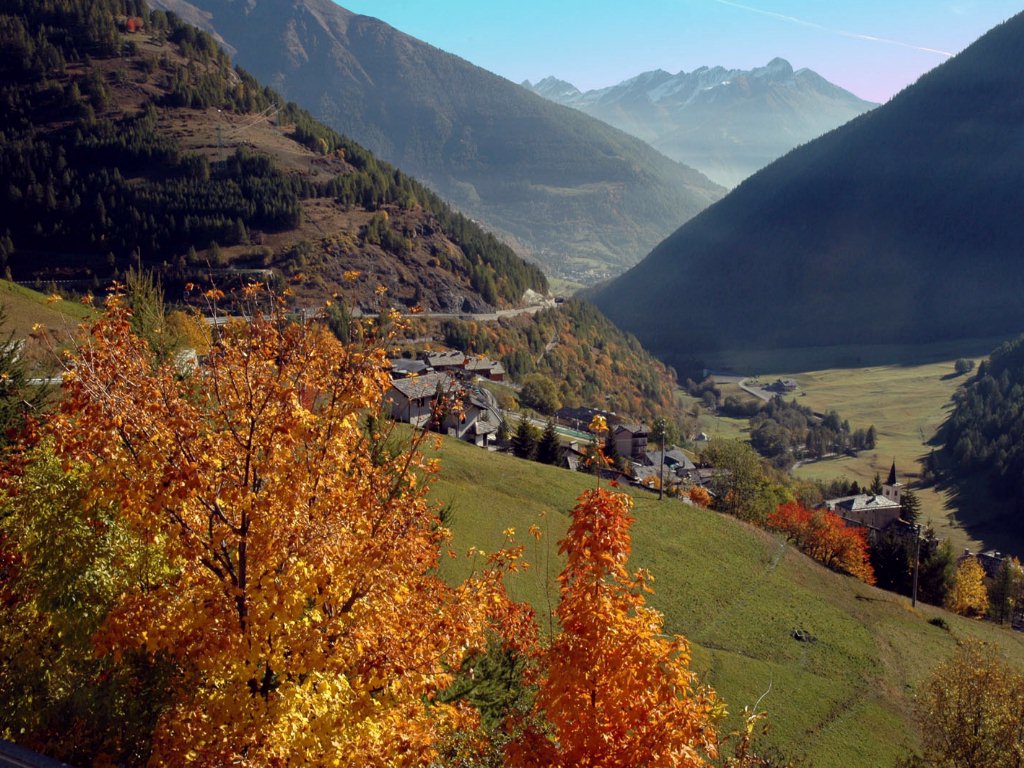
point(128, 138)
point(903, 226)
point(575, 194)
point(984, 434)
point(590, 362)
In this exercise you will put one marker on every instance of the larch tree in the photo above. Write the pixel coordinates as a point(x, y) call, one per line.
point(303, 606)
point(968, 595)
point(971, 711)
point(615, 690)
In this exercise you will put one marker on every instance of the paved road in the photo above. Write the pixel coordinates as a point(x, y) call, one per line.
point(763, 394)
point(486, 317)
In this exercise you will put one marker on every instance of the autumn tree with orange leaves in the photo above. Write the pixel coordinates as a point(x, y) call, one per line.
point(301, 607)
point(824, 536)
point(615, 691)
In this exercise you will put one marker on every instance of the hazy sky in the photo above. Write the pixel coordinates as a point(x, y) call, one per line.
point(871, 47)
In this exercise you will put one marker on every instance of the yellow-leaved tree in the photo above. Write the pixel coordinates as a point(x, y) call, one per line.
point(302, 608)
point(971, 710)
point(614, 690)
point(968, 595)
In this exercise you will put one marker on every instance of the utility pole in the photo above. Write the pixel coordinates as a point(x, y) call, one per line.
point(917, 562)
point(661, 426)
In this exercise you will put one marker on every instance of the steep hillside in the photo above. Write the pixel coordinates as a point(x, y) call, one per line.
point(576, 195)
point(726, 123)
point(129, 138)
point(592, 363)
point(902, 226)
point(844, 699)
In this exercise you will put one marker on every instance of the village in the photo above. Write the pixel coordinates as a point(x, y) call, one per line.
point(445, 392)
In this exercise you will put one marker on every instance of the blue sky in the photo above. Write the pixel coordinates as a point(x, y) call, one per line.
point(870, 47)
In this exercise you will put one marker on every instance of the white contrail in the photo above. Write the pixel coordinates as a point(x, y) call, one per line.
point(844, 33)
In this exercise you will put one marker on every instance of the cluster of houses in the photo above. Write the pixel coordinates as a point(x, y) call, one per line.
point(436, 391)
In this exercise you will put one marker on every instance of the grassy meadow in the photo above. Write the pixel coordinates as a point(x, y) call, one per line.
point(25, 308)
point(907, 404)
point(723, 427)
point(738, 594)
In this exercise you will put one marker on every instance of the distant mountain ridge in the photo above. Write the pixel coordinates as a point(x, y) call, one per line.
point(579, 196)
point(727, 123)
point(901, 227)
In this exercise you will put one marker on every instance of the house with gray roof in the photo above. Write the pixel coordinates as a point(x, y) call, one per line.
point(631, 440)
point(675, 460)
point(485, 367)
point(877, 513)
point(402, 368)
point(411, 400)
point(448, 360)
point(471, 420)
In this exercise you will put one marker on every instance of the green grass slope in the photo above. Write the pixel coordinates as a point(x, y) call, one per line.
point(738, 594)
point(26, 308)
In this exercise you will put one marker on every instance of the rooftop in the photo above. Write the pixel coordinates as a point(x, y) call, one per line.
point(426, 385)
point(861, 501)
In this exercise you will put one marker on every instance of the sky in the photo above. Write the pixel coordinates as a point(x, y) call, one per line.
point(873, 48)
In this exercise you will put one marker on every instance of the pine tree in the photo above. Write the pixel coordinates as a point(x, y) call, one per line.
point(547, 448)
point(910, 506)
point(502, 435)
point(1006, 591)
point(935, 574)
point(18, 398)
point(524, 441)
point(611, 452)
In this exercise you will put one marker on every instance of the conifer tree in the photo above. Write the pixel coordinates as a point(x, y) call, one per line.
point(524, 441)
point(1006, 591)
point(547, 448)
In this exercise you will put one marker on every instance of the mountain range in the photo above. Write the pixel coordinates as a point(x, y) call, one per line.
point(582, 198)
point(900, 227)
point(726, 123)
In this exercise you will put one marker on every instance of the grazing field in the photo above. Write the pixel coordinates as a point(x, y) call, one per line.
point(25, 308)
point(907, 404)
point(843, 700)
point(711, 424)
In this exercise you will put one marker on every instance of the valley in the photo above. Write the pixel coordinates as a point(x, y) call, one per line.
point(907, 403)
point(338, 469)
